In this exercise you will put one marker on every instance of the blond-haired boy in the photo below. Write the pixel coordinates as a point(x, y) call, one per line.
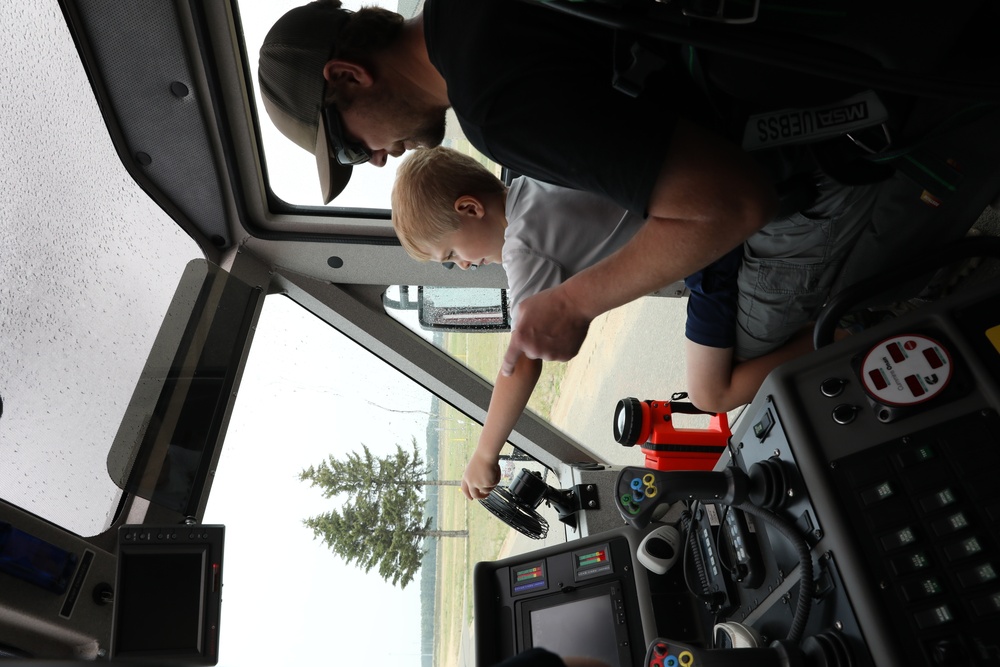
point(446, 207)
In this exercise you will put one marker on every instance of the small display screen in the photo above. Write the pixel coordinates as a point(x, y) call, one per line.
point(34, 560)
point(160, 600)
point(529, 577)
point(582, 628)
point(591, 558)
point(592, 562)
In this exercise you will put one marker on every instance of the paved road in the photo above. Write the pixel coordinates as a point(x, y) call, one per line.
point(637, 351)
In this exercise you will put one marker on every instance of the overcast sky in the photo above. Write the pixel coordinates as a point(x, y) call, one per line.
point(307, 392)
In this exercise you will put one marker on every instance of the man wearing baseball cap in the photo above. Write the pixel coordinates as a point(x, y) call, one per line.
point(349, 106)
point(532, 90)
point(322, 42)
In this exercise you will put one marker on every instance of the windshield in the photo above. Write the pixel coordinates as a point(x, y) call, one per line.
point(87, 270)
point(309, 393)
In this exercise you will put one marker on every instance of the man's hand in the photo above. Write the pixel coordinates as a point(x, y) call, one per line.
point(708, 198)
point(481, 475)
point(550, 327)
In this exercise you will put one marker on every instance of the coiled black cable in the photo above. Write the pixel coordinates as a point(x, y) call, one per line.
point(806, 574)
point(703, 592)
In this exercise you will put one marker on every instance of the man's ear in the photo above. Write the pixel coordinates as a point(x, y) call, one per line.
point(337, 71)
point(470, 206)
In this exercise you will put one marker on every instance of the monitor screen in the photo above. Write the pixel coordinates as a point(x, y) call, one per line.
point(168, 593)
point(161, 597)
point(583, 627)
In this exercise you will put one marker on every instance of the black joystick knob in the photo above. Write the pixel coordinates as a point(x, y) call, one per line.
point(828, 649)
point(768, 484)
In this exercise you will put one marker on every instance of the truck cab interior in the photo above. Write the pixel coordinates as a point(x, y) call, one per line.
point(186, 330)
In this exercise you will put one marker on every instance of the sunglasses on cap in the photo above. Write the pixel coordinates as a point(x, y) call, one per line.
point(344, 151)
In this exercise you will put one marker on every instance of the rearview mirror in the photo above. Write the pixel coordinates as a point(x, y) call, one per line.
point(452, 309)
point(463, 309)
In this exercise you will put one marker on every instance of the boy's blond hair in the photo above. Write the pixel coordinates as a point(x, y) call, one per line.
point(428, 182)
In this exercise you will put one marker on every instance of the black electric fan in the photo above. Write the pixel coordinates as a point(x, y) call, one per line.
point(517, 504)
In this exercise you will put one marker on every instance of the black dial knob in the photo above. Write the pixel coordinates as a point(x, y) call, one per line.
point(845, 413)
point(831, 387)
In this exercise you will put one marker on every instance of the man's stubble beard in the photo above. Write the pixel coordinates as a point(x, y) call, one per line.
point(421, 125)
point(432, 134)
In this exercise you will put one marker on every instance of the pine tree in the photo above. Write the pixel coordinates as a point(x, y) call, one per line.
point(381, 520)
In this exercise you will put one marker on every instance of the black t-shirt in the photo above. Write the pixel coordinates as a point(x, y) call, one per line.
point(532, 89)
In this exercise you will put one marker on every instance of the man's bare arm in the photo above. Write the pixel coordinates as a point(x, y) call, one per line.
point(709, 197)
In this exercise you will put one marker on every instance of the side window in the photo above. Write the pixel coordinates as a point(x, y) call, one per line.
point(308, 393)
point(635, 351)
point(473, 326)
point(291, 171)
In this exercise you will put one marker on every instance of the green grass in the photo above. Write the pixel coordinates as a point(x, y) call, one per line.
point(482, 353)
point(485, 354)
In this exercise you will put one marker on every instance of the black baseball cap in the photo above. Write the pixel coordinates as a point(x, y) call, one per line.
point(290, 73)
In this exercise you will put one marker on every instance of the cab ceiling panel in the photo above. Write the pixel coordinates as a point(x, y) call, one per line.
point(139, 62)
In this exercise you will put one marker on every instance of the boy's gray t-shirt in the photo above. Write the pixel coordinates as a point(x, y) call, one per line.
point(554, 233)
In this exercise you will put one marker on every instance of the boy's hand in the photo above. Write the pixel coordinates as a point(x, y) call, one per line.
point(549, 327)
point(481, 475)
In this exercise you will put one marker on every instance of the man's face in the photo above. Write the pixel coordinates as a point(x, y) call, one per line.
point(389, 124)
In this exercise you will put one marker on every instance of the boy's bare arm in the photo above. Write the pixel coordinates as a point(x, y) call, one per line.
point(708, 199)
point(718, 383)
point(510, 397)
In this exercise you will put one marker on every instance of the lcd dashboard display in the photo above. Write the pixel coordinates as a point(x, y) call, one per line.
point(168, 594)
point(160, 598)
point(584, 627)
point(34, 560)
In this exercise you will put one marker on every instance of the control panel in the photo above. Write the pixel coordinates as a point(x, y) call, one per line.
point(883, 450)
point(581, 598)
point(854, 520)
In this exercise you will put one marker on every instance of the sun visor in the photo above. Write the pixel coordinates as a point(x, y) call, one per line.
point(174, 424)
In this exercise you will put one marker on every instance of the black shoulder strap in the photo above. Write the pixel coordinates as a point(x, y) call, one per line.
point(889, 45)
